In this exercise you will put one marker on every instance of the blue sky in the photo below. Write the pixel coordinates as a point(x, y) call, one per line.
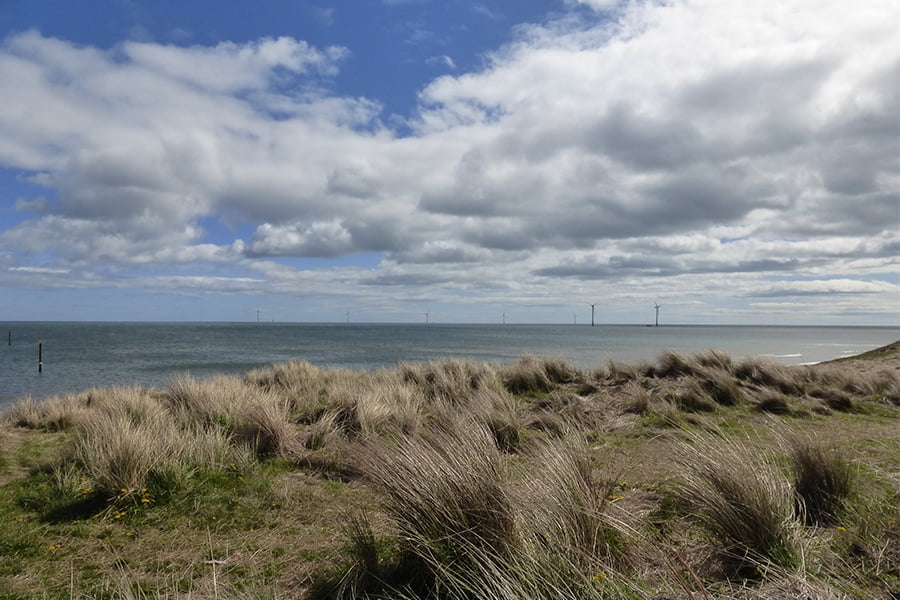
point(737, 162)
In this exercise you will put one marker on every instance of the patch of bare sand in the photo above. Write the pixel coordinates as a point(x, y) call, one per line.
point(886, 358)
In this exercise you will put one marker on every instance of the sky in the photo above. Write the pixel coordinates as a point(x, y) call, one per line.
point(736, 162)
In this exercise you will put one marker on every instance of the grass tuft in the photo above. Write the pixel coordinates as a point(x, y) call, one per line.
point(741, 501)
point(823, 481)
point(693, 397)
point(527, 377)
point(721, 386)
point(775, 403)
point(444, 491)
point(672, 364)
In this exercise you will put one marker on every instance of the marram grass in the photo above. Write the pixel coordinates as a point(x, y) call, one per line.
point(693, 477)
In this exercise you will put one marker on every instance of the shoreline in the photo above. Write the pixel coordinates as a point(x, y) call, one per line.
point(115, 355)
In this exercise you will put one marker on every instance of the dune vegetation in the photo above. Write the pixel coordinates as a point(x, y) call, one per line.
point(693, 477)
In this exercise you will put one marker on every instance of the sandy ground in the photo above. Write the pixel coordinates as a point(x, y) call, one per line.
point(888, 359)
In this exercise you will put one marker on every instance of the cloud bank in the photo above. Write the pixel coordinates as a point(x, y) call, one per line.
point(707, 152)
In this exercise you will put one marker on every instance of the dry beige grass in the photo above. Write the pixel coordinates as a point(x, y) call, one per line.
point(742, 500)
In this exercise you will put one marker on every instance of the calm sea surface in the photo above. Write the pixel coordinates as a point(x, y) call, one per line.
point(77, 356)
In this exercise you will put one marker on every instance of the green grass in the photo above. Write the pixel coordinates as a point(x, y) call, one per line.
point(882, 352)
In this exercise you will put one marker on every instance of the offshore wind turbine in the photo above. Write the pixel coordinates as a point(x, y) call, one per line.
point(592, 314)
point(657, 306)
point(426, 316)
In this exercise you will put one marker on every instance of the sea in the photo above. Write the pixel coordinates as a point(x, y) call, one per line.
point(78, 356)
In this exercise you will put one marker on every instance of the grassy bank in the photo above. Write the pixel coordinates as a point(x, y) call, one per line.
point(691, 477)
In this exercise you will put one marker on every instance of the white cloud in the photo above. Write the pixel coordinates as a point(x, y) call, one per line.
point(229, 67)
point(442, 61)
point(39, 270)
point(682, 149)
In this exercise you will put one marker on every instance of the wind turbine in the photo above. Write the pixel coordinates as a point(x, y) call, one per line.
point(657, 306)
point(426, 316)
point(592, 314)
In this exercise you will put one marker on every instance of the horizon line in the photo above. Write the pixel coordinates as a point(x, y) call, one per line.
point(433, 323)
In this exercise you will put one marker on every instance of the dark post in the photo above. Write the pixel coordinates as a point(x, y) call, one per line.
point(41, 356)
point(10, 337)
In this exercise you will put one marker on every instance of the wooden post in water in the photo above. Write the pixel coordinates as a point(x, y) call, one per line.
point(41, 356)
point(10, 337)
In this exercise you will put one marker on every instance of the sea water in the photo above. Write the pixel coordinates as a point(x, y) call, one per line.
point(78, 356)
